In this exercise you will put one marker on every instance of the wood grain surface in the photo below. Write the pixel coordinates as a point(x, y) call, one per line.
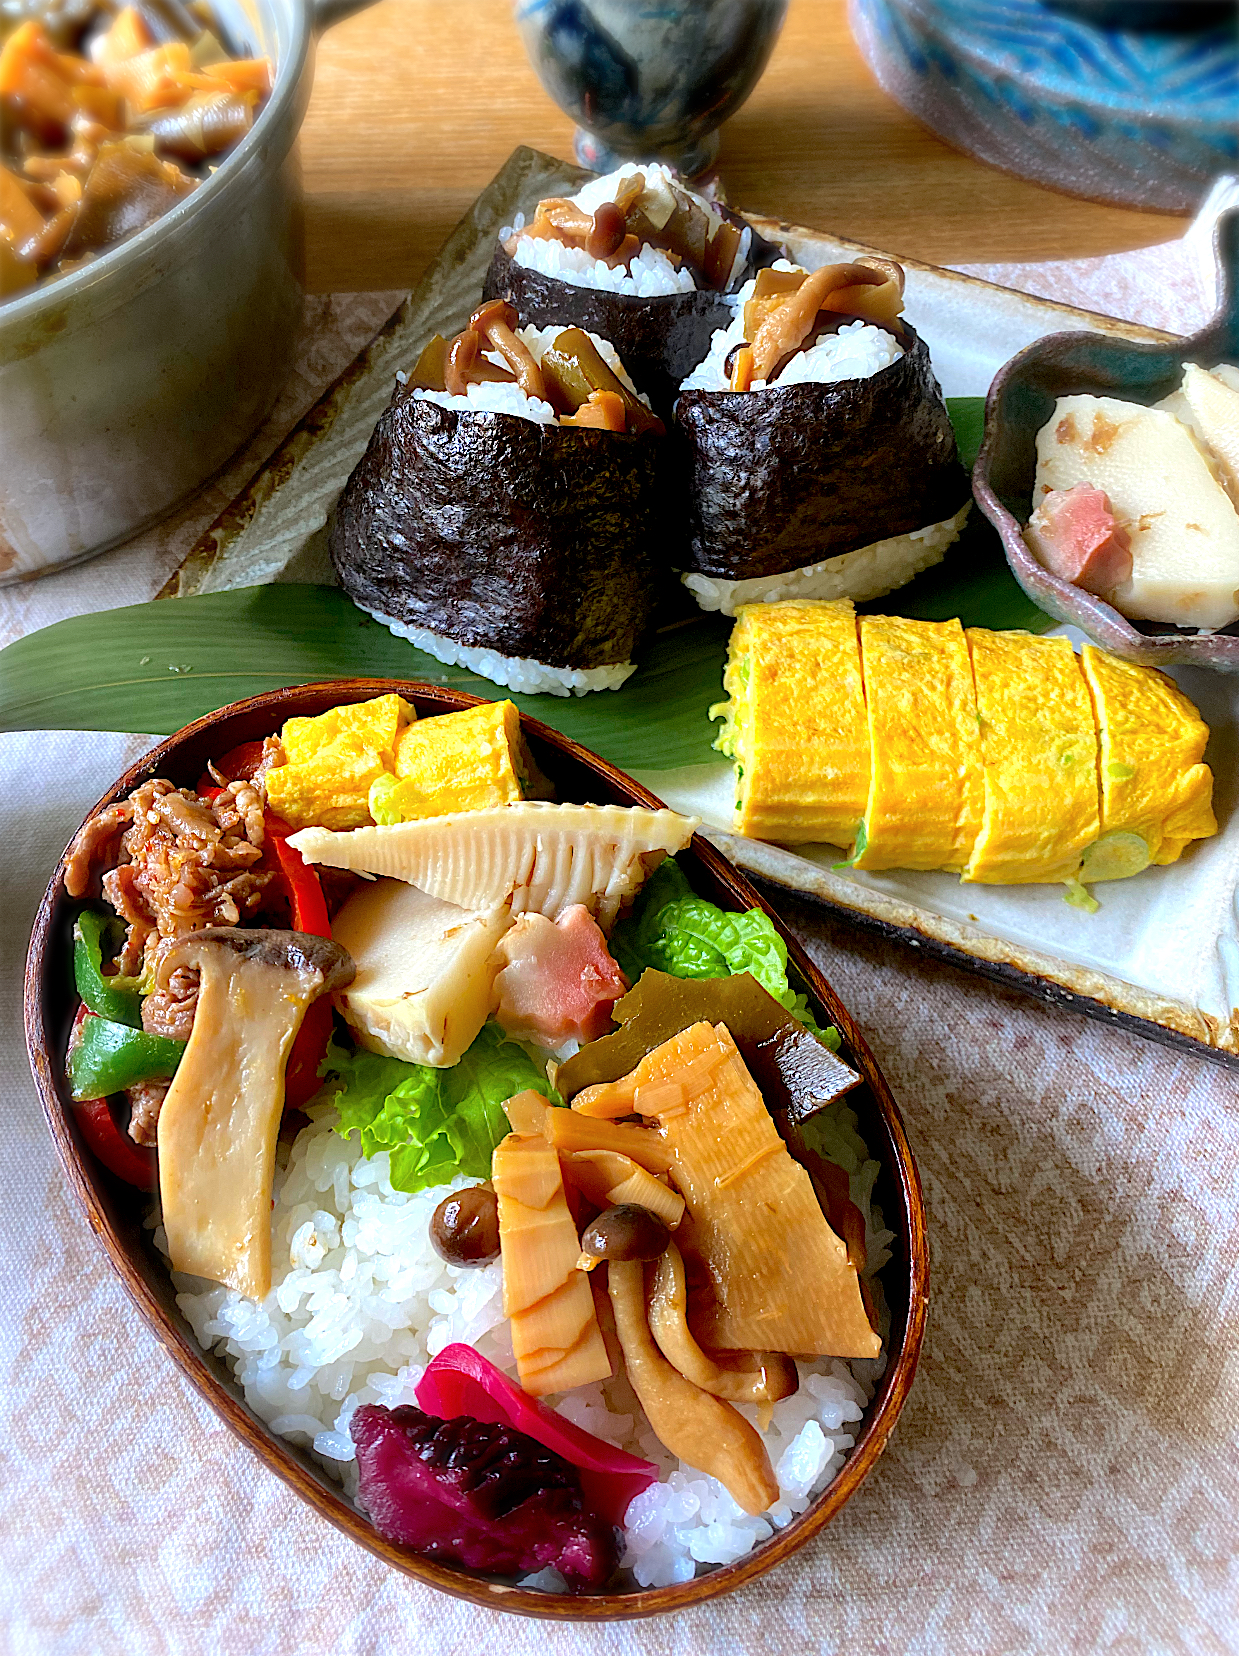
point(417, 103)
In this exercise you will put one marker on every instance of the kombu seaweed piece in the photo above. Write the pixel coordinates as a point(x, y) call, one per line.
point(532, 540)
point(796, 1074)
point(660, 340)
point(795, 474)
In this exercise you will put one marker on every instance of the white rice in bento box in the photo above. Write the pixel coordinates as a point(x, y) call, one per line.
point(858, 351)
point(868, 572)
point(519, 673)
point(360, 1302)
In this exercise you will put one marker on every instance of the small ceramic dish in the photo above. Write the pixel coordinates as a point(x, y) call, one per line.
point(115, 1211)
point(1021, 400)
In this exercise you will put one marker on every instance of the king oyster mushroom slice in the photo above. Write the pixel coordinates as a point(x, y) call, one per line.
point(541, 858)
point(220, 1121)
point(765, 1377)
point(702, 1430)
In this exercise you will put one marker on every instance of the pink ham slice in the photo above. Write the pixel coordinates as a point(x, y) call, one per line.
point(556, 980)
point(1075, 534)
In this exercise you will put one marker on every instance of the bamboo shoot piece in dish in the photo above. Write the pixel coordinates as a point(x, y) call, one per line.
point(1161, 486)
point(568, 1132)
point(757, 1231)
point(555, 1333)
point(538, 857)
point(425, 970)
point(607, 1178)
point(221, 1118)
point(767, 1377)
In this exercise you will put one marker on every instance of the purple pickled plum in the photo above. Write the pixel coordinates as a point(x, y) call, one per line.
point(478, 1494)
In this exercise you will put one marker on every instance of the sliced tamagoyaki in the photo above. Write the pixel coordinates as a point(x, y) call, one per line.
point(1156, 794)
point(924, 804)
point(1038, 747)
point(989, 750)
point(794, 686)
point(532, 856)
point(467, 761)
point(333, 759)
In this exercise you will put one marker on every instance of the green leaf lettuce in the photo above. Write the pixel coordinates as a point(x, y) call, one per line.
point(436, 1123)
point(674, 931)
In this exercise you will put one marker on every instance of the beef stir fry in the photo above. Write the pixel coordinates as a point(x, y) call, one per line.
point(109, 117)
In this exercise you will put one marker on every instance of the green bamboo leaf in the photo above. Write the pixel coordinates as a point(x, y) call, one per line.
point(154, 667)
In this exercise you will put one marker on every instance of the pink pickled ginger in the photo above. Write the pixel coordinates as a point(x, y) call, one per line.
point(460, 1381)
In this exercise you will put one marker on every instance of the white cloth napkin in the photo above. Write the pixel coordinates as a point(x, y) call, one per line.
point(1064, 1478)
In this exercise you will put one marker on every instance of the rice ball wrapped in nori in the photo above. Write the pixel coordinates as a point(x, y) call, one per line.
point(638, 258)
point(821, 458)
point(505, 511)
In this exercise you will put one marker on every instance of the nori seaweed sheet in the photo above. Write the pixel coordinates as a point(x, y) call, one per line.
point(660, 340)
point(786, 477)
point(532, 540)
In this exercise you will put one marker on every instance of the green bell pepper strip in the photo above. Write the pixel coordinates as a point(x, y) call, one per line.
point(106, 1057)
point(116, 998)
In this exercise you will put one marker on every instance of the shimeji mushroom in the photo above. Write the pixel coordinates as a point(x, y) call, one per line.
point(220, 1121)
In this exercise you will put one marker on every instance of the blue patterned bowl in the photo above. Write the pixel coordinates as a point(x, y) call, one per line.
point(653, 80)
point(1143, 118)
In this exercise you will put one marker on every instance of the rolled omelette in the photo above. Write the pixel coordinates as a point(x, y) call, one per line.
point(919, 744)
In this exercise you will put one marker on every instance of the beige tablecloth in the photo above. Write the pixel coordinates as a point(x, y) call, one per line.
point(1065, 1477)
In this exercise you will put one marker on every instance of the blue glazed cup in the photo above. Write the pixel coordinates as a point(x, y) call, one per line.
point(649, 79)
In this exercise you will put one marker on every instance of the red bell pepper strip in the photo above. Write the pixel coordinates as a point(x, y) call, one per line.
point(238, 765)
point(305, 891)
point(309, 914)
point(136, 1164)
point(460, 1381)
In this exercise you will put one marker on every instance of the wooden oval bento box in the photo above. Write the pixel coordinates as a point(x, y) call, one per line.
point(116, 1211)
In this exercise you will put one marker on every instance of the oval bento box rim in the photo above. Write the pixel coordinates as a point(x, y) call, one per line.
point(117, 264)
point(197, 1366)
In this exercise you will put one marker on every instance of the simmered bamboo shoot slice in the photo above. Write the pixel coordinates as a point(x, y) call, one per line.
point(780, 1278)
point(607, 1178)
point(540, 858)
point(550, 1305)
